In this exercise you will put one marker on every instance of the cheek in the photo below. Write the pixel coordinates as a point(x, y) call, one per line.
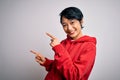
point(78, 27)
point(65, 29)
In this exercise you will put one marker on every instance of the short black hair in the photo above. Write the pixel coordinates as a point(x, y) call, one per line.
point(71, 13)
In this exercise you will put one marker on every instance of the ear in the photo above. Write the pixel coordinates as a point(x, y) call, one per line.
point(81, 21)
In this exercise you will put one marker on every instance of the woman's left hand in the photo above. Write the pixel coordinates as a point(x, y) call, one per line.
point(54, 40)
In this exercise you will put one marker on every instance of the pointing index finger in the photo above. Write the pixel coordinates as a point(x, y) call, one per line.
point(34, 52)
point(51, 36)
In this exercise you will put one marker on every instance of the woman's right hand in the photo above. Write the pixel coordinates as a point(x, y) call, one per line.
point(38, 57)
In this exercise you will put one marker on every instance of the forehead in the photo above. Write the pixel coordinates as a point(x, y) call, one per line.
point(65, 20)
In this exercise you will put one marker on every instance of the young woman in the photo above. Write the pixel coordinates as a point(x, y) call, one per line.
point(74, 56)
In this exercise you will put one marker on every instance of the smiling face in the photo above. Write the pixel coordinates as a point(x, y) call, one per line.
point(72, 27)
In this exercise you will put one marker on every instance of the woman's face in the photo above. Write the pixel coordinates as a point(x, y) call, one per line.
point(72, 27)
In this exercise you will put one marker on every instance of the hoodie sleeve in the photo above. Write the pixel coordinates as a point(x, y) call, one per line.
point(48, 64)
point(78, 69)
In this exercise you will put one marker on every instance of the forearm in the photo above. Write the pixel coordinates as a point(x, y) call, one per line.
point(73, 69)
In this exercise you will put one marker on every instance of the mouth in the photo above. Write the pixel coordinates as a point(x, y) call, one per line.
point(71, 33)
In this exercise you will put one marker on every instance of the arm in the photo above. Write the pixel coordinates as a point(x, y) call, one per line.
point(47, 63)
point(74, 70)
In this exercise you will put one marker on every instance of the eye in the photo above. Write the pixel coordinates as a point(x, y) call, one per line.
point(64, 25)
point(72, 22)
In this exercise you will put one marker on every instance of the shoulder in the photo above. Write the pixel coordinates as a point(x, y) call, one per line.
point(89, 46)
point(64, 41)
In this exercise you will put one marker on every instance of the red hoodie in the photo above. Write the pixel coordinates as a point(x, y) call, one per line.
point(73, 60)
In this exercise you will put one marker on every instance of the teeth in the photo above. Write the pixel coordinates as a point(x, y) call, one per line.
point(71, 32)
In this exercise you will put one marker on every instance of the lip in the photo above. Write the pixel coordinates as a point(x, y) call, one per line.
point(71, 33)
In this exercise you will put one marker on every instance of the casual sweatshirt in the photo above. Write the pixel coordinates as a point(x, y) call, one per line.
point(73, 59)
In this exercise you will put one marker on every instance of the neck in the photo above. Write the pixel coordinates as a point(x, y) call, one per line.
point(77, 37)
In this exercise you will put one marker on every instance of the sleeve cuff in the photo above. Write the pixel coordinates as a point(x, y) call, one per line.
point(47, 62)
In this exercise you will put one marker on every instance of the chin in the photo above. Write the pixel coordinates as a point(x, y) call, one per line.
point(72, 36)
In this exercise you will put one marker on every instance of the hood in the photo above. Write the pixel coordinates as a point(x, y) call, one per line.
point(83, 39)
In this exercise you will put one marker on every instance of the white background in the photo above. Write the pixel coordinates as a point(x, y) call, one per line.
point(23, 24)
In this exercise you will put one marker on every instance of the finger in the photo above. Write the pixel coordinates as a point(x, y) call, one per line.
point(51, 36)
point(34, 52)
point(38, 61)
point(38, 57)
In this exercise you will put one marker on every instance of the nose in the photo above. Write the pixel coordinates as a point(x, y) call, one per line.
point(69, 27)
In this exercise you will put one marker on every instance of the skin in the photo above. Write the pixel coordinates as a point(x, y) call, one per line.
point(72, 28)
point(38, 56)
